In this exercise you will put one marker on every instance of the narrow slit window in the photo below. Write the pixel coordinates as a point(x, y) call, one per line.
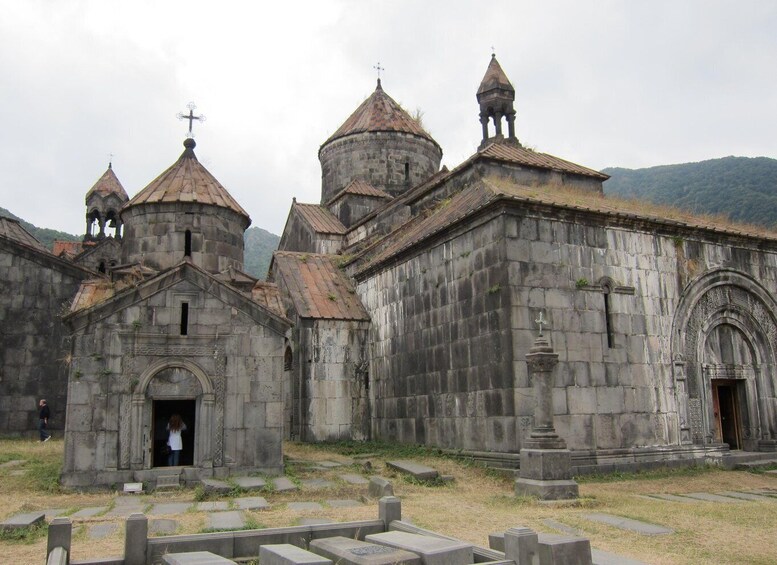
point(184, 318)
point(288, 360)
point(407, 171)
point(187, 243)
point(607, 321)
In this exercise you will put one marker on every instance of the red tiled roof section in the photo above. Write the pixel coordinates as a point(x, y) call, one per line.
point(12, 229)
point(494, 78)
point(108, 184)
point(67, 249)
point(361, 188)
point(320, 218)
point(92, 292)
point(318, 288)
point(268, 295)
point(187, 181)
point(515, 154)
point(379, 113)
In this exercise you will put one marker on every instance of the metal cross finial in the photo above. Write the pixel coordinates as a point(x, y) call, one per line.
point(541, 320)
point(378, 68)
point(110, 160)
point(493, 51)
point(191, 117)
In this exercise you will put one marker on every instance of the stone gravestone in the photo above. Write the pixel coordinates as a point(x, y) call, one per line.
point(347, 551)
point(546, 464)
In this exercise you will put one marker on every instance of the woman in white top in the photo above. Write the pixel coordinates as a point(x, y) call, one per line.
point(175, 426)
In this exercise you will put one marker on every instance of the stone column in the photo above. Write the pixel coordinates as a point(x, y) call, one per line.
point(498, 124)
point(546, 470)
point(484, 123)
point(511, 125)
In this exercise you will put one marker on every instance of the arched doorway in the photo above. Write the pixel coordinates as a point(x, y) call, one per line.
point(173, 390)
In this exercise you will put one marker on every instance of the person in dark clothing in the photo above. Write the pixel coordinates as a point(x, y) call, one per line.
point(43, 420)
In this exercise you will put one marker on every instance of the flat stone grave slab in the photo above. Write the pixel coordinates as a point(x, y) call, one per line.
point(287, 554)
point(89, 512)
point(252, 503)
point(764, 491)
point(128, 500)
point(628, 524)
point(329, 464)
point(303, 506)
point(315, 521)
point(354, 479)
point(162, 526)
point(249, 483)
point(196, 558)
point(12, 463)
point(317, 483)
point(24, 520)
point(709, 497)
point(745, 495)
point(213, 485)
point(344, 503)
point(347, 551)
point(433, 551)
point(169, 508)
point(100, 531)
point(671, 497)
point(380, 487)
point(211, 506)
point(418, 471)
point(230, 520)
point(284, 484)
point(126, 510)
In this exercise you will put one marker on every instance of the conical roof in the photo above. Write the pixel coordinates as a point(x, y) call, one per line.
point(108, 184)
point(379, 113)
point(494, 78)
point(187, 181)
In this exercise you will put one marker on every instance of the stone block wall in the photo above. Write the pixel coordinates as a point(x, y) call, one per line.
point(35, 288)
point(378, 158)
point(229, 364)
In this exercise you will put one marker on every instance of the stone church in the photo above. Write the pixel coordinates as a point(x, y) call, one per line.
point(401, 308)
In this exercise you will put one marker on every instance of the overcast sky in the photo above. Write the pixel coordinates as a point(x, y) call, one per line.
point(601, 83)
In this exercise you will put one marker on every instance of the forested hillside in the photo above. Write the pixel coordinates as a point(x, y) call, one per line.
point(741, 188)
point(44, 235)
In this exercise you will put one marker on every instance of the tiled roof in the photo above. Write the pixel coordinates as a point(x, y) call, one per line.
point(490, 190)
point(320, 218)
point(379, 113)
point(67, 249)
point(92, 292)
point(495, 77)
point(108, 184)
point(12, 229)
point(512, 153)
point(269, 296)
point(318, 288)
point(187, 181)
point(360, 188)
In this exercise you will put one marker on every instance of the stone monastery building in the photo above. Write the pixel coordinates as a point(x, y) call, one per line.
point(401, 308)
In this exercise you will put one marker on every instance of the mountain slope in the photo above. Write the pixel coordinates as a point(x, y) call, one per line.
point(44, 235)
point(741, 188)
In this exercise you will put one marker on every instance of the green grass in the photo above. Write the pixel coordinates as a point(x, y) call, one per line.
point(648, 474)
point(27, 535)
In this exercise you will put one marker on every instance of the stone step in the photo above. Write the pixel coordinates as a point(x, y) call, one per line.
point(753, 465)
point(24, 520)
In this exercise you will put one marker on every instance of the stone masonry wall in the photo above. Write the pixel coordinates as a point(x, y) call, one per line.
point(441, 352)
point(378, 158)
point(239, 422)
point(34, 290)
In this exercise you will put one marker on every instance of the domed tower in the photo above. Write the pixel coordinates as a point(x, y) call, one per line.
point(381, 145)
point(103, 204)
point(496, 96)
point(184, 213)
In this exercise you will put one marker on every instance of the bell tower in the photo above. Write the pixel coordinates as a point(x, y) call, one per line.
point(496, 96)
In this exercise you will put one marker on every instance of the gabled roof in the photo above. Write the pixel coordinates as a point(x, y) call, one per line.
point(512, 153)
point(359, 187)
point(187, 180)
point(379, 113)
point(268, 295)
point(317, 287)
point(494, 78)
point(68, 249)
point(108, 184)
point(320, 219)
point(13, 230)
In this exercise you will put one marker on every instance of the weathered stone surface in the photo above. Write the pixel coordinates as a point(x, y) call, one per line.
point(628, 524)
point(162, 526)
point(347, 551)
point(287, 554)
point(554, 549)
point(196, 558)
point(354, 479)
point(216, 486)
point(433, 551)
point(343, 503)
point(283, 484)
point(380, 487)
point(303, 506)
point(252, 503)
point(229, 520)
point(100, 531)
point(210, 506)
point(416, 470)
point(23, 520)
point(250, 483)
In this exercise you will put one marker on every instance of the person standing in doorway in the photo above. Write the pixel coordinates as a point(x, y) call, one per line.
point(174, 442)
point(43, 420)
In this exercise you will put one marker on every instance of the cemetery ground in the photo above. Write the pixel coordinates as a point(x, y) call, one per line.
point(478, 502)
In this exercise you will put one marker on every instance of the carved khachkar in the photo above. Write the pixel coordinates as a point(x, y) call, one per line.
point(219, 386)
point(125, 436)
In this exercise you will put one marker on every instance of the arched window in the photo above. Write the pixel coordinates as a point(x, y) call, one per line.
point(288, 359)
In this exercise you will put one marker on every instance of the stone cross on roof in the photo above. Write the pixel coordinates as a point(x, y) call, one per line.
point(378, 68)
point(540, 321)
point(191, 117)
